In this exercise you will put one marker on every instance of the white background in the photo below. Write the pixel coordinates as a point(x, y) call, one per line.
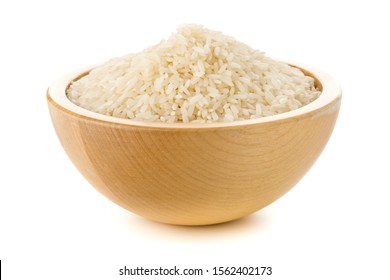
point(333, 225)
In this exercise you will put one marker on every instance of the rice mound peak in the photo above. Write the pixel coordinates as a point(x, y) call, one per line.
point(196, 75)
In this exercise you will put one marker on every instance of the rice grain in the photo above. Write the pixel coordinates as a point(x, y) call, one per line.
point(196, 75)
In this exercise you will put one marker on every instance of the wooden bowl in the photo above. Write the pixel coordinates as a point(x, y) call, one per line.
point(194, 174)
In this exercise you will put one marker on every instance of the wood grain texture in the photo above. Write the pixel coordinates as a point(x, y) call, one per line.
point(194, 175)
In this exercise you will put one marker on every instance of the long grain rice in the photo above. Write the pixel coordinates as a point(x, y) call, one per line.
point(196, 75)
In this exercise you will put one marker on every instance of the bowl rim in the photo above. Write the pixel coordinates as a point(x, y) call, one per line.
point(56, 94)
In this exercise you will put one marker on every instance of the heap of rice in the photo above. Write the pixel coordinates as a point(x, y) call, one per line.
point(196, 75)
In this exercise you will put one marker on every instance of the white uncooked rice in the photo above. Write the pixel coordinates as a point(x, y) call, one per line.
point(196, 75)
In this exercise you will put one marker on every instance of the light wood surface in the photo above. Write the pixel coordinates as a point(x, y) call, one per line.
point(194, 175)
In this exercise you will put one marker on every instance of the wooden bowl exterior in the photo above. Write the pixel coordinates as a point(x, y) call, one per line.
point(194, 175)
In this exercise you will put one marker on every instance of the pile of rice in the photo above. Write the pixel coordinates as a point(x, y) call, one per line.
point(196, 75)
